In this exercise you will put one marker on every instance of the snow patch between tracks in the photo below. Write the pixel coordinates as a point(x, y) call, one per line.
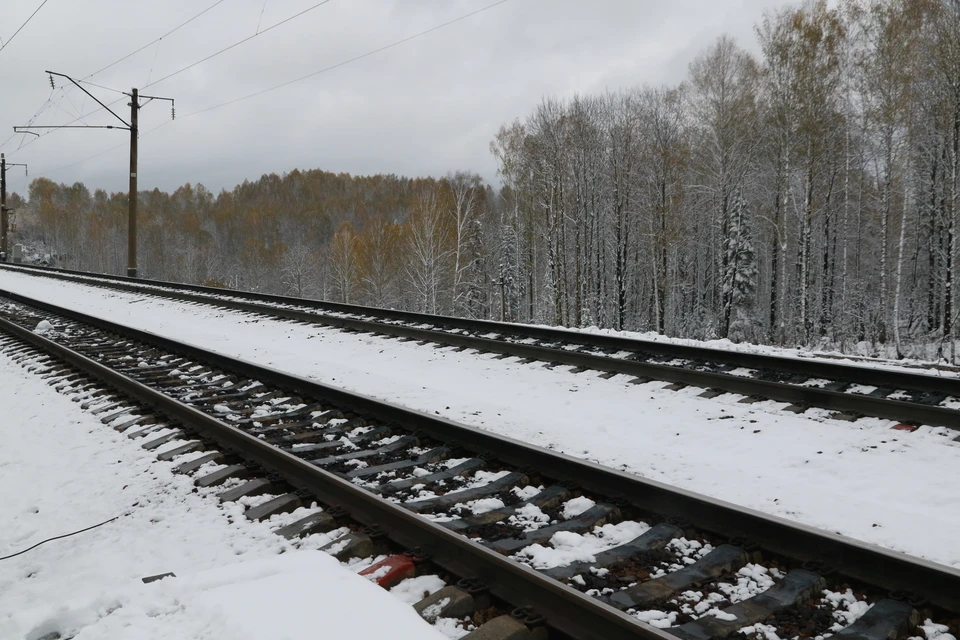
point(859, 479)
point(61, 470)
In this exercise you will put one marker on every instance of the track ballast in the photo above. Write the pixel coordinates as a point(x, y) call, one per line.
point(422, 480)
point(849, 392)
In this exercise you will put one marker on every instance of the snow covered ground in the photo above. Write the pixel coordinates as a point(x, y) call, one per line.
point(61, 470)
point(861, 479)
point(862, 355)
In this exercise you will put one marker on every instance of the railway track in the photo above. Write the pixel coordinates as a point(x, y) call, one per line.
point(850, 392)
point(498, 513)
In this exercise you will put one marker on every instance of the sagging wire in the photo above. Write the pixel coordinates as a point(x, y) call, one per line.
point(289, 82)
point(100, 86)
point(154, 63)
point(36, 115)
point(66, 535)
point(236, 44)
point(260, 21)
point(89, 113)
point(23, 25)
point(86, 81)
point(177, 28)
point(79, 112)
point(348, 61)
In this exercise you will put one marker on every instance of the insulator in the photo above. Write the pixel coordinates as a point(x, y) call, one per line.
point(173, 113)
point(52, 85)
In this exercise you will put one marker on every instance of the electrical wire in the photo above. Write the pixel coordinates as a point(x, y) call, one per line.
point(93, 157)
point(310, 75)
point(70, 114)
point(154, 63)
point(346, 62)
point(236, 44)
point(79, 118)
point(24, 24)
point(98, 109)
point(106, 151)
point(36, 115)
point(112, 64)
point(261, 15)
point(4, 143)
point(174, 30)
point(67, 535)
point(100, 86)
point(66, 95)
point(116, 62)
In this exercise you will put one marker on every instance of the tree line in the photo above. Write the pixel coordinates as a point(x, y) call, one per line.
point(808, 195)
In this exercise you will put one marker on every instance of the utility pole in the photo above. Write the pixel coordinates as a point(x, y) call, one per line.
point(133, 128)
point(503, 300)
point(4, 212)
point(132, 215)
point(3, 207)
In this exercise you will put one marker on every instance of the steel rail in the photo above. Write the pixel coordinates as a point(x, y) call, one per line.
point(882, 568)
point(565, 609)
point(796, 366)
point(901, 410)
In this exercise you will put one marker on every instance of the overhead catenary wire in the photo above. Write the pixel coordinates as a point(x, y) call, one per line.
point(152, 42)
point(133, 129)
point(79, 118)
point(61, 108)
point(43, 107)
point(194, 64)
point(35, 11)
point(106, 151)
point(66, 95)
point(237, 44)
point(156, 41)
point(100, 86)
point(295, 80)
point(349, 61)
point(154, 63)
point(93, 157)
point(86, 78)
point(261, 15)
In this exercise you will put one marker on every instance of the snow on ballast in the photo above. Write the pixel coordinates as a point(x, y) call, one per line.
point(908, 398)
point(530, 512)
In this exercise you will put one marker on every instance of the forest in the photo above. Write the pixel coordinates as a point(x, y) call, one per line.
point(807, 195)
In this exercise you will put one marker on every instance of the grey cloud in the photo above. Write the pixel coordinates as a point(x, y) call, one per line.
point(425, 107)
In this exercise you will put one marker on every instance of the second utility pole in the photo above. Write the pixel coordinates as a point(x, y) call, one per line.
point(4, 211)
point(3, 208)
point(132, 216)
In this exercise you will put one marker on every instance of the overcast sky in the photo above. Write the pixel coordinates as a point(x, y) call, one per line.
point(425, 107)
